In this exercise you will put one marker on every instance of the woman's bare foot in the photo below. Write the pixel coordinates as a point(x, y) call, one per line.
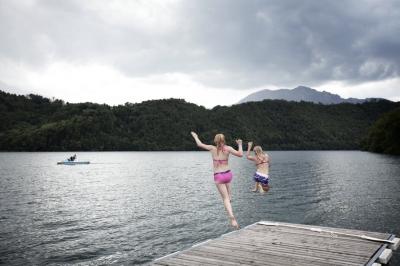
point(234, 223)
point(254, 190)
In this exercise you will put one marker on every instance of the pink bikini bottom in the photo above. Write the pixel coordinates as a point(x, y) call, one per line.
point(223, 177)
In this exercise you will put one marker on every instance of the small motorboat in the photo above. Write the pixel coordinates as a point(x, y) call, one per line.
point(66, 162)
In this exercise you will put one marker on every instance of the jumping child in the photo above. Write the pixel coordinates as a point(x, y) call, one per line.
point(261, 159)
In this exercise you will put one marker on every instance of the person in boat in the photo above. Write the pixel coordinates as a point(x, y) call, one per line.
point(262, 161)
point(72, 158)
point(222, 173)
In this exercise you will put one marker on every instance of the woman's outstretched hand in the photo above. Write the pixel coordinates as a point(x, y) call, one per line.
point(249, 144)
point(194, 135)
point(239, 142)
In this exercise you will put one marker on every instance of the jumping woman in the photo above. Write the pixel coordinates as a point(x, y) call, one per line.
point(261, 159)
point(222, 173)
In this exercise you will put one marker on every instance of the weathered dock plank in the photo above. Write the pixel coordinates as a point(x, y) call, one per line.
point(297, 255)
point(266, 243)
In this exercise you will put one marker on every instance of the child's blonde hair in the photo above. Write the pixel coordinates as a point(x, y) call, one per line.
point(259, 153)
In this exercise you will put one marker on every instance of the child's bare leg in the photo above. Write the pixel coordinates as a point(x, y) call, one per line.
point(256, 187)
point(265, 188)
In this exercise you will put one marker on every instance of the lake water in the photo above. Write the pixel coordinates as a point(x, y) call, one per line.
point(133, 207)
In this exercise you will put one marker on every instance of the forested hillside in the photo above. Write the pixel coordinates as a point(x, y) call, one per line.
point(35, 123)
point(384, 135)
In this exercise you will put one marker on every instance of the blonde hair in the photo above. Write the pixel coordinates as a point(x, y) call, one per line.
point(259, 153)
point(219, 141)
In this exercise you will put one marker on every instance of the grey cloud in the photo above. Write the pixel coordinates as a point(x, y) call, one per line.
point(241, 44)
point(305, 41)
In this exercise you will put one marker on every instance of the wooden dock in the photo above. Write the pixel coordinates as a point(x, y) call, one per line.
point(271, 243)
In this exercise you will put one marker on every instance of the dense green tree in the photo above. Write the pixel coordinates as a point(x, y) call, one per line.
point(35, 123)
point(384, 135)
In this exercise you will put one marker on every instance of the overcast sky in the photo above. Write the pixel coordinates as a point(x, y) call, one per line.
point(208, 52)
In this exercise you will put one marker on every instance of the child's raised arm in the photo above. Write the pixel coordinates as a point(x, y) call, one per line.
point(248, 156)
point(199, 143)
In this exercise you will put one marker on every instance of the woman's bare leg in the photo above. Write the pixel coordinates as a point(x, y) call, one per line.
point(222, 188)
point(229, 189)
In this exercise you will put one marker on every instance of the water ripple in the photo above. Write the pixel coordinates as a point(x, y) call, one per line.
point(124, 210)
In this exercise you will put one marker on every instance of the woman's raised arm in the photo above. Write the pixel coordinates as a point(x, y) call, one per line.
point(199, 143)
point(239, 152)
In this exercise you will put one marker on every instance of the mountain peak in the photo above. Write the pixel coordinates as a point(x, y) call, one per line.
point(300, 93)
point(303, 88)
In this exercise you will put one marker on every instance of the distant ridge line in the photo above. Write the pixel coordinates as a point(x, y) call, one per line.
point(302, 93)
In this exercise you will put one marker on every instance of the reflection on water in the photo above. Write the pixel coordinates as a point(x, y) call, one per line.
point(132, 207)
